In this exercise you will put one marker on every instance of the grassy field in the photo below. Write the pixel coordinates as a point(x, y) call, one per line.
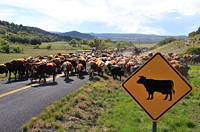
point(62, 47)
point(102, 105)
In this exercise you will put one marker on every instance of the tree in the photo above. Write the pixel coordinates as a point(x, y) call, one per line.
point(129, 43)
point(91, 43)
point(99, 43)
point(35, 41)
point(73, 41)
point(84, 41)
point(4, 46)
point(108, 40)
point(118, 44)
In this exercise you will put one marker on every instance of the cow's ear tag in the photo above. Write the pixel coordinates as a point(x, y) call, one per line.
point(156, 86)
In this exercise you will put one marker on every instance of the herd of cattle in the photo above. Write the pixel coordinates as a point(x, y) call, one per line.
point(89, 62)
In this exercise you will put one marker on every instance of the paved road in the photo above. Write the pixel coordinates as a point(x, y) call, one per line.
point(21, 100)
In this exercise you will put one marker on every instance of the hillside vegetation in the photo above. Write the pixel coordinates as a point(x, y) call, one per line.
point(23, 34)
point(178, 46)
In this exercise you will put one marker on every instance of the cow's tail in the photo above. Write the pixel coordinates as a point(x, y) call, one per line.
point(172, 83)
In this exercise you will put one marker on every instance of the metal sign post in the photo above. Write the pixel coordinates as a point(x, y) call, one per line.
point(154, 126)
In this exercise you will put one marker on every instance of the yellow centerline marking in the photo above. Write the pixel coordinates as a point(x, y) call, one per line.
point(26, 87)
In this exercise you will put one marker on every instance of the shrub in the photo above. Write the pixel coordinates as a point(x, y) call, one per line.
point(193, 50)
point(166, 41)
point(17, 49)
point(73, 41)
point(86, 48)
point(4, 46)
point(48, 46)
point(37, 46)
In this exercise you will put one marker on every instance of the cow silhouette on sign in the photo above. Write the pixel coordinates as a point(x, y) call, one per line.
point(162, 86)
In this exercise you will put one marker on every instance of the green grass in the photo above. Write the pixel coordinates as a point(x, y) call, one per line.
point(102, 105)
point(62, 47)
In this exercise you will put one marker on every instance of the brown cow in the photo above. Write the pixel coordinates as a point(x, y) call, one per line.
point(3, 69)
point(113, 62)
point(168, 58)
point(175, 62)
point(83, 62)
point(12, 67)
point(100, 67)
point(183, 71)
point(130, 67)
point(79, 70)
point(74, 61)
point(66, 67)
point(16, 65)
point(187, 57)
point(49, 69)
point(32, 68)
point(122, 64)
point(91, 66)
point(22, 67)
point(57, 61)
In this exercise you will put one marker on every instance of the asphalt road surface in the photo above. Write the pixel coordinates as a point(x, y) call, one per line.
point(21, 100)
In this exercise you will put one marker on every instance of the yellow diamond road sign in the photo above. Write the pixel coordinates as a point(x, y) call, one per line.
point(156, 86)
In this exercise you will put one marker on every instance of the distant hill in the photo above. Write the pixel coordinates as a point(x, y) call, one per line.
point(133, 37)
point(76, 34)
point(64, 37)
point(42, 31)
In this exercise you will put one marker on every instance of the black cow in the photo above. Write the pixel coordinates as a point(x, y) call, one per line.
point(163, 86)
point(117, 71)
point(195, 59)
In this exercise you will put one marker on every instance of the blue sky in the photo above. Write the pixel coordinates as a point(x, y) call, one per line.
point(166, 17)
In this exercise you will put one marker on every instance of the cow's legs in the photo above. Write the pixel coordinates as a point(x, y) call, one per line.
point(170, 97)
point(15, 73)
point(40, 78)
point(148, 96)
point(54, 77)
point(113, 76)
point(68, 74)
point(6, 73)
point(151, 95)
point(44, 78)
point(9, 75)
point(165, 97)
point(65, 74)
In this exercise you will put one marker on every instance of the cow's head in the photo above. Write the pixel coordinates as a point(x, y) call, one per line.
point(88, 65)
point(77, 61)
point(131, 69)
point(103, 68)
point(79, 68)
point(65, 66)
point(122, 65)
point(141, 80)
point(34, 68)
point(122, 72)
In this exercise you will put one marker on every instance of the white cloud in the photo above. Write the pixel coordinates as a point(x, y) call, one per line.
point(128, 15)
point(5, 13)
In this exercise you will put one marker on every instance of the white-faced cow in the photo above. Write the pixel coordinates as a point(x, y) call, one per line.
point(162, 86)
